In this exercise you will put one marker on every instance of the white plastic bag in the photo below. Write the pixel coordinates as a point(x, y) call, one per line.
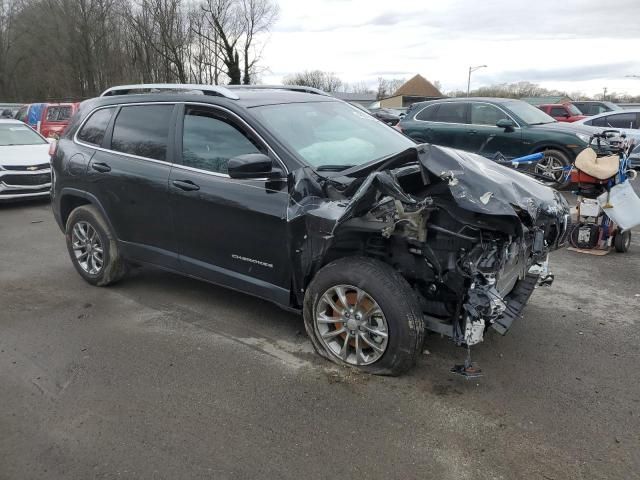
point(625, 210)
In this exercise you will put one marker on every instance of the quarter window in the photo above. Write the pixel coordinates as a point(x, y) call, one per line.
point(209, 140)
point(451, 112)
point(142, 130)
point(484, 114)
point(94, 129)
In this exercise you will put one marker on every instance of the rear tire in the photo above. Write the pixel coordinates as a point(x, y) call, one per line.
point(385, 291)
point(622, 241)
point(93, 248)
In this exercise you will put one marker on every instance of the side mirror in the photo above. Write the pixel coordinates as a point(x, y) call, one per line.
point(567, 115)
point(506, 123)
point(251, 165)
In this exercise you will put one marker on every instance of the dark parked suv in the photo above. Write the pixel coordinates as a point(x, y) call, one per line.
point(491, 125)
point(301, 199)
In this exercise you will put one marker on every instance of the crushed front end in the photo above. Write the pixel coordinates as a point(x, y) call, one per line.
point(470, 236)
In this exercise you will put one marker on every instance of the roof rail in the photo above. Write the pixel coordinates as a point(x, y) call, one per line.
point(202, 89)
point(293, 88)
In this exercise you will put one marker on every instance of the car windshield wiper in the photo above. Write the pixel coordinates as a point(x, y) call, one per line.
point(333, 168)
point(542, 123)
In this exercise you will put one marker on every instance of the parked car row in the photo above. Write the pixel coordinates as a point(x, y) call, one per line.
point(575, 111)
point(50, 119)
point(24, 146)
point(492, 126)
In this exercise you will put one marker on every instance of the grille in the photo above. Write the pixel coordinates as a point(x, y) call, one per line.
point(27, 180)
point(26, 168)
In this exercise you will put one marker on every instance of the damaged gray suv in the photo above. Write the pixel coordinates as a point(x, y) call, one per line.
point(290, 195)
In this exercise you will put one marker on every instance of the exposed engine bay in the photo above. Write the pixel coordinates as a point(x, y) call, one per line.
point(470, 236)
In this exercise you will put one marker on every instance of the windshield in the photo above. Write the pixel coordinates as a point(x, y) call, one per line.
point(332, 135)
point(528, 113)
point(17, 134)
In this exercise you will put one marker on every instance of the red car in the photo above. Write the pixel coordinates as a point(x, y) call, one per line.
point(564, 112)
point(55, 118)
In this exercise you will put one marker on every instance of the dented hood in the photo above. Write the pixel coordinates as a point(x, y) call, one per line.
point(481, 185)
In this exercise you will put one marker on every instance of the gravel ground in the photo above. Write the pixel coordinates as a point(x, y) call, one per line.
point(165, 377)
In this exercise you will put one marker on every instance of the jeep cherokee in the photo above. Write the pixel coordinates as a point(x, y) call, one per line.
point(296, 197)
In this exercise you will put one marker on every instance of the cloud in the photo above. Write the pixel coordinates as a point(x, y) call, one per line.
point(579, 73)
point(573, 44)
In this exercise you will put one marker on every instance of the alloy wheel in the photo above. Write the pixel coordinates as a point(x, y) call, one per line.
point(550, 167)
point(87, 248)
point(351, 325)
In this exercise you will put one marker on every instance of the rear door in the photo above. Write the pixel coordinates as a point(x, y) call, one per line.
point(485, 138)
point(229, 231)
point(130, 175)
point(443, 123)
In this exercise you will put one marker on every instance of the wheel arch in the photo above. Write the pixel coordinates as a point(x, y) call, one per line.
point(553, 146)
point(71, 198)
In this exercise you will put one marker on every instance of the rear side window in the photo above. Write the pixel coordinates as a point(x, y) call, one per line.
point(558, 112)
point(427, 113)
point(59, 113)
point(210, 140)
point(622, 120)
point(451, 113)
point(94, 129)
point(142, 130)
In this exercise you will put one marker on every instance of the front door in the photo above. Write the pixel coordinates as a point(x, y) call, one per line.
point(484, 138)
point(229, 231)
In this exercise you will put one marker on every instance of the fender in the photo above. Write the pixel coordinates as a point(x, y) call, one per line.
point(542, 146)
point(91, 199)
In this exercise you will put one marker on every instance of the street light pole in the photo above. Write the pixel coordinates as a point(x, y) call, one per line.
point(471, 70)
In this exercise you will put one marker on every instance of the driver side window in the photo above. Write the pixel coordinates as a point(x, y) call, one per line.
point(485, 114)
point(209, 140)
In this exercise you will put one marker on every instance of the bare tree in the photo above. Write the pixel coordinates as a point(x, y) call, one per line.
point(387, 87)
point(258, 16)
point(72, 49)
point(357, 87)
point(326, 81)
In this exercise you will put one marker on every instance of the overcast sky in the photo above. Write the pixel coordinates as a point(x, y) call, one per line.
point(566, 44)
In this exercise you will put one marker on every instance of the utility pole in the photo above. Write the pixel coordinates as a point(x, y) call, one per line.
point(604, 94)
point(471, 70)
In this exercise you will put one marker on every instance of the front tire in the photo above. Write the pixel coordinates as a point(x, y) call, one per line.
point(362, 313)
point(553, 166)
point(92, 247)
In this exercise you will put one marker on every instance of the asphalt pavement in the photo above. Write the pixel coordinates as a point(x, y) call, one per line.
point(161, 377)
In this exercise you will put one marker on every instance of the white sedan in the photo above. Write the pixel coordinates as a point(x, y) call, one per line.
point(25, 170)
point(626, 121)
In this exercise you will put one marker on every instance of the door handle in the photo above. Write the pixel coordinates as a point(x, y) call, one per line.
point(186, 185)
point(101, 167)
point(472, 132)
